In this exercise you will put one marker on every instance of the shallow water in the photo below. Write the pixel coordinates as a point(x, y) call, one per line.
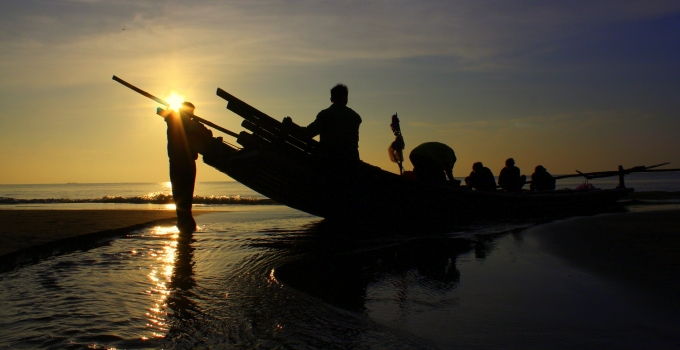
point(272, 277)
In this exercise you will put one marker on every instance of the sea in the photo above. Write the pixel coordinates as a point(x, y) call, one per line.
point(209, 195)
point(259, 275)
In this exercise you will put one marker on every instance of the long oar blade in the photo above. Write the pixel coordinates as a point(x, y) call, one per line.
point(140, 91)
point(656, 166)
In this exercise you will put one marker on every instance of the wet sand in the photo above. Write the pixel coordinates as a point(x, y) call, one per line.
point(653, 195)
point(640, 249)
point(31, 234)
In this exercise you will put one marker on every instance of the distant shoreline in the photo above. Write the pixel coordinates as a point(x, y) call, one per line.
point(162, 199)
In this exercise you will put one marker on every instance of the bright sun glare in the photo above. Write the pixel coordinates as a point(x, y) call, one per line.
point(175, 101)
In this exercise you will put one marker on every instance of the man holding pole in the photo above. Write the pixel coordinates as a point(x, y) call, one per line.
point(181, 130)
point(186, 137)
point(337, 127)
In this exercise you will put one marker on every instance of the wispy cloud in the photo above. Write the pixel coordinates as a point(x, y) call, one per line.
point(562, 122)
point(481, 35)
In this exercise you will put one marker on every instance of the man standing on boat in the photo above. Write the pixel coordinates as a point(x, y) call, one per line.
point(181, 130)
point(337, 127)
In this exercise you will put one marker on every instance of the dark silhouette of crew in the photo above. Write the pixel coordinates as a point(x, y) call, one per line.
point(541, 180)
point(481, 178)
point(510, 178)
point(182, 135)
point(433, 162)
point(337, 127)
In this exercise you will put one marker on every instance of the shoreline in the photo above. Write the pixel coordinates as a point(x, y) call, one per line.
point(640, 249)
point(30, 235)
point(644, 241)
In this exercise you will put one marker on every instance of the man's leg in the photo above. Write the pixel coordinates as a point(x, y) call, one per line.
point(183, 177)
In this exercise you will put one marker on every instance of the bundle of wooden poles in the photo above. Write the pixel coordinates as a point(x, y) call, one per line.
point(267, 131)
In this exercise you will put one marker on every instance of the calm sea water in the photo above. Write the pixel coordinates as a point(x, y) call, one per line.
point(125, 190)
point(269, 277)
point(155, 192)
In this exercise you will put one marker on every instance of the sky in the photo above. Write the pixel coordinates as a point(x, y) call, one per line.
point(585, 85)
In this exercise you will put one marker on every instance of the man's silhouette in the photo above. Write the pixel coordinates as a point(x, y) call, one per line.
point(433, 162)
point(541, 180)
point(481, 178)
point(337, 127)
point(182, 158)
point(510, 178)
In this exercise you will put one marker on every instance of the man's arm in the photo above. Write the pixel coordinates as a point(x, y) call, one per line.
point(448, 169)
point(311, 130)
point(314, 128)
point(502, 177)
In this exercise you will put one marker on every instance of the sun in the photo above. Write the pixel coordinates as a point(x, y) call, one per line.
point(175, 101)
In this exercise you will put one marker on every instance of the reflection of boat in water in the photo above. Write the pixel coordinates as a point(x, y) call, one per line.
point(283, 165)
point(343, 279)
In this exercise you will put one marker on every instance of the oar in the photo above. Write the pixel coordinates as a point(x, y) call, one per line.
point(140, 91)
point(626, 172)
point(601, 174)
point(165, 103)
point(598, 174)
point(636, 169)
point(164, 112)
point(656, 166)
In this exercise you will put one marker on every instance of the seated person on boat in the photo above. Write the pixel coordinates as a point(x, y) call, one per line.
point(481, 178)
point(510, 178)
point(337, 127)
point(433, 162)
point(541, 180)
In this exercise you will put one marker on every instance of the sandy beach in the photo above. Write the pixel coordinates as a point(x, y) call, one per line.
point(641, 249)
point(29, 234)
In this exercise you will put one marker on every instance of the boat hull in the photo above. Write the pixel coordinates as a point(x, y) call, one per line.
point(364, 191)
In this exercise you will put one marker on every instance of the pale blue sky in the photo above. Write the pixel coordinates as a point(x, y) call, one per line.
point(570, 85)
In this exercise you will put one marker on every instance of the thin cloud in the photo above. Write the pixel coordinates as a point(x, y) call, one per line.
point(482, 36)
point(543, 122)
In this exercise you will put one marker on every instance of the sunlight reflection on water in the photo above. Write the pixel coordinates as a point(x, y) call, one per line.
point(161, 275)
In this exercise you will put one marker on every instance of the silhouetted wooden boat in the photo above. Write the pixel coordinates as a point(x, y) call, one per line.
point(284, 166)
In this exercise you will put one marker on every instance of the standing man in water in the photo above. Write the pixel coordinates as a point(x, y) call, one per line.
point(182, 158)
point(337, 127)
